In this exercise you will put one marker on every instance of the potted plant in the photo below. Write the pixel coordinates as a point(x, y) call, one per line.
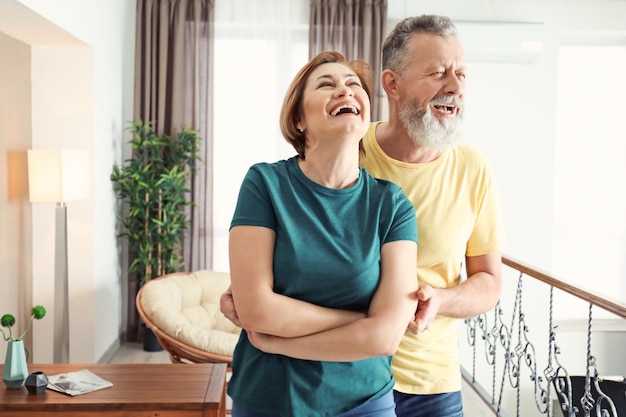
point(153, 184)
point(15, 369)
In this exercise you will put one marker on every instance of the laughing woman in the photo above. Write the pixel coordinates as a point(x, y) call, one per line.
point(322, 261)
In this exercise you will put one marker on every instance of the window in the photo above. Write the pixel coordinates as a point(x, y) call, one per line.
point(259, 47)
point(590, 168)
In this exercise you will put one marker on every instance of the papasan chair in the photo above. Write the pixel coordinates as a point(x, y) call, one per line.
point(182, 309)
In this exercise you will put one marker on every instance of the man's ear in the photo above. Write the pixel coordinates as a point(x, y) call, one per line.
point(389, 81)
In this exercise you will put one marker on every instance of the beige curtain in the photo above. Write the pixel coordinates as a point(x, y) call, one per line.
point(357, 29)
point(173, 87)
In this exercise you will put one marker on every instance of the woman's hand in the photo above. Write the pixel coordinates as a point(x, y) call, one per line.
point(227, 307)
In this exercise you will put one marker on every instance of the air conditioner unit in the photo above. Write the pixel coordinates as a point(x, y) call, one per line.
point(512, 42)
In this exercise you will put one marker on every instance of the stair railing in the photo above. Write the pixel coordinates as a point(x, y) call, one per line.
point(527, 327)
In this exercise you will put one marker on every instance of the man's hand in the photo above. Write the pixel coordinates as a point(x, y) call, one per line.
point(427, 307)
point(227, 307)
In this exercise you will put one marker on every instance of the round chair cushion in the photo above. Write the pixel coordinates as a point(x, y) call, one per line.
point(187, 307)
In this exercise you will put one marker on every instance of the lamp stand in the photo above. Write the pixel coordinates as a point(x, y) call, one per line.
point(61, 313)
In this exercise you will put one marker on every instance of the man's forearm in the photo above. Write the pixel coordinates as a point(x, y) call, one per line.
point(474, 296)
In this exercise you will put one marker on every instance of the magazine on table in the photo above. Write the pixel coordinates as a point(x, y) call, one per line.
point(77, 383)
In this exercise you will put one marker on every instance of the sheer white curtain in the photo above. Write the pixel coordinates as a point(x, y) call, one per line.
point(259, 47)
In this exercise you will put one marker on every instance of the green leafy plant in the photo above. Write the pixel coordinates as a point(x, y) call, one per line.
point(38, 312)
point(153, 184)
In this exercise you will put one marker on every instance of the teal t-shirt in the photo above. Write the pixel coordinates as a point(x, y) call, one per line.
point(327, 252)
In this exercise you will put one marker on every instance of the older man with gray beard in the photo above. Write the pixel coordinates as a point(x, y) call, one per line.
point(453, 191)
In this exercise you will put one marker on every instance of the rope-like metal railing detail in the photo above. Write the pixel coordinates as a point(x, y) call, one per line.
point(556, 373)
point(588, 401)
point(520, 357)
point(499, 332)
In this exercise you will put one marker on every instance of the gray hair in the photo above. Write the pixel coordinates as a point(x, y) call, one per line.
point(395, 49)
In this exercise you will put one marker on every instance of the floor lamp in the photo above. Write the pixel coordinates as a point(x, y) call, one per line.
point(59, 176)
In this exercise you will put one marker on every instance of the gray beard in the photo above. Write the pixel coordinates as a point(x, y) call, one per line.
point(426, 130)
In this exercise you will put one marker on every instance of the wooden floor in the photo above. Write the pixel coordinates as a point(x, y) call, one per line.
point(473, 405)
point(134, 353)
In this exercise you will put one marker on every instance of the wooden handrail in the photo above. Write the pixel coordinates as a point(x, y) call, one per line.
point(613, 306)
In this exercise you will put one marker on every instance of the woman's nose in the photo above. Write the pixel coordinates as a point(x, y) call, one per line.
point(343, 90)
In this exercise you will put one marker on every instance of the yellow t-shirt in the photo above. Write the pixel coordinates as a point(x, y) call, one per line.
point(457, 215)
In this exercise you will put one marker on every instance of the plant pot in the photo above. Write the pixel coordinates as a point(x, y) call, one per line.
point(36, 382)
point(150, 341)
point(15, 368)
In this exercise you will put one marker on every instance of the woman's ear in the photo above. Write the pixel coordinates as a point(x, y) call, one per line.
point(389, 81)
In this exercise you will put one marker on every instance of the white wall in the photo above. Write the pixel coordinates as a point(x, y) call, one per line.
point(106, 31)
point(62, 117)
point(108, 27)
point(15, 210)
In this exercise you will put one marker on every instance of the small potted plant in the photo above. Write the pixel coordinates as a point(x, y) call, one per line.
point(15, 369)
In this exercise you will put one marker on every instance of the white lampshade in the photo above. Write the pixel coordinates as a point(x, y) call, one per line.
point(58, 175)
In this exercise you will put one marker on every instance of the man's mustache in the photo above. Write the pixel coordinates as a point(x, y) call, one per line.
point(448, 101)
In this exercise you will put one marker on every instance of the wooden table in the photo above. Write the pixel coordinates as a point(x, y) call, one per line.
point(139, 390)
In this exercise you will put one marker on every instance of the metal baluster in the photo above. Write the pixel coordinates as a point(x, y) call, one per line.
point(510, 369)
point(592, 364)
point(563, 387)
